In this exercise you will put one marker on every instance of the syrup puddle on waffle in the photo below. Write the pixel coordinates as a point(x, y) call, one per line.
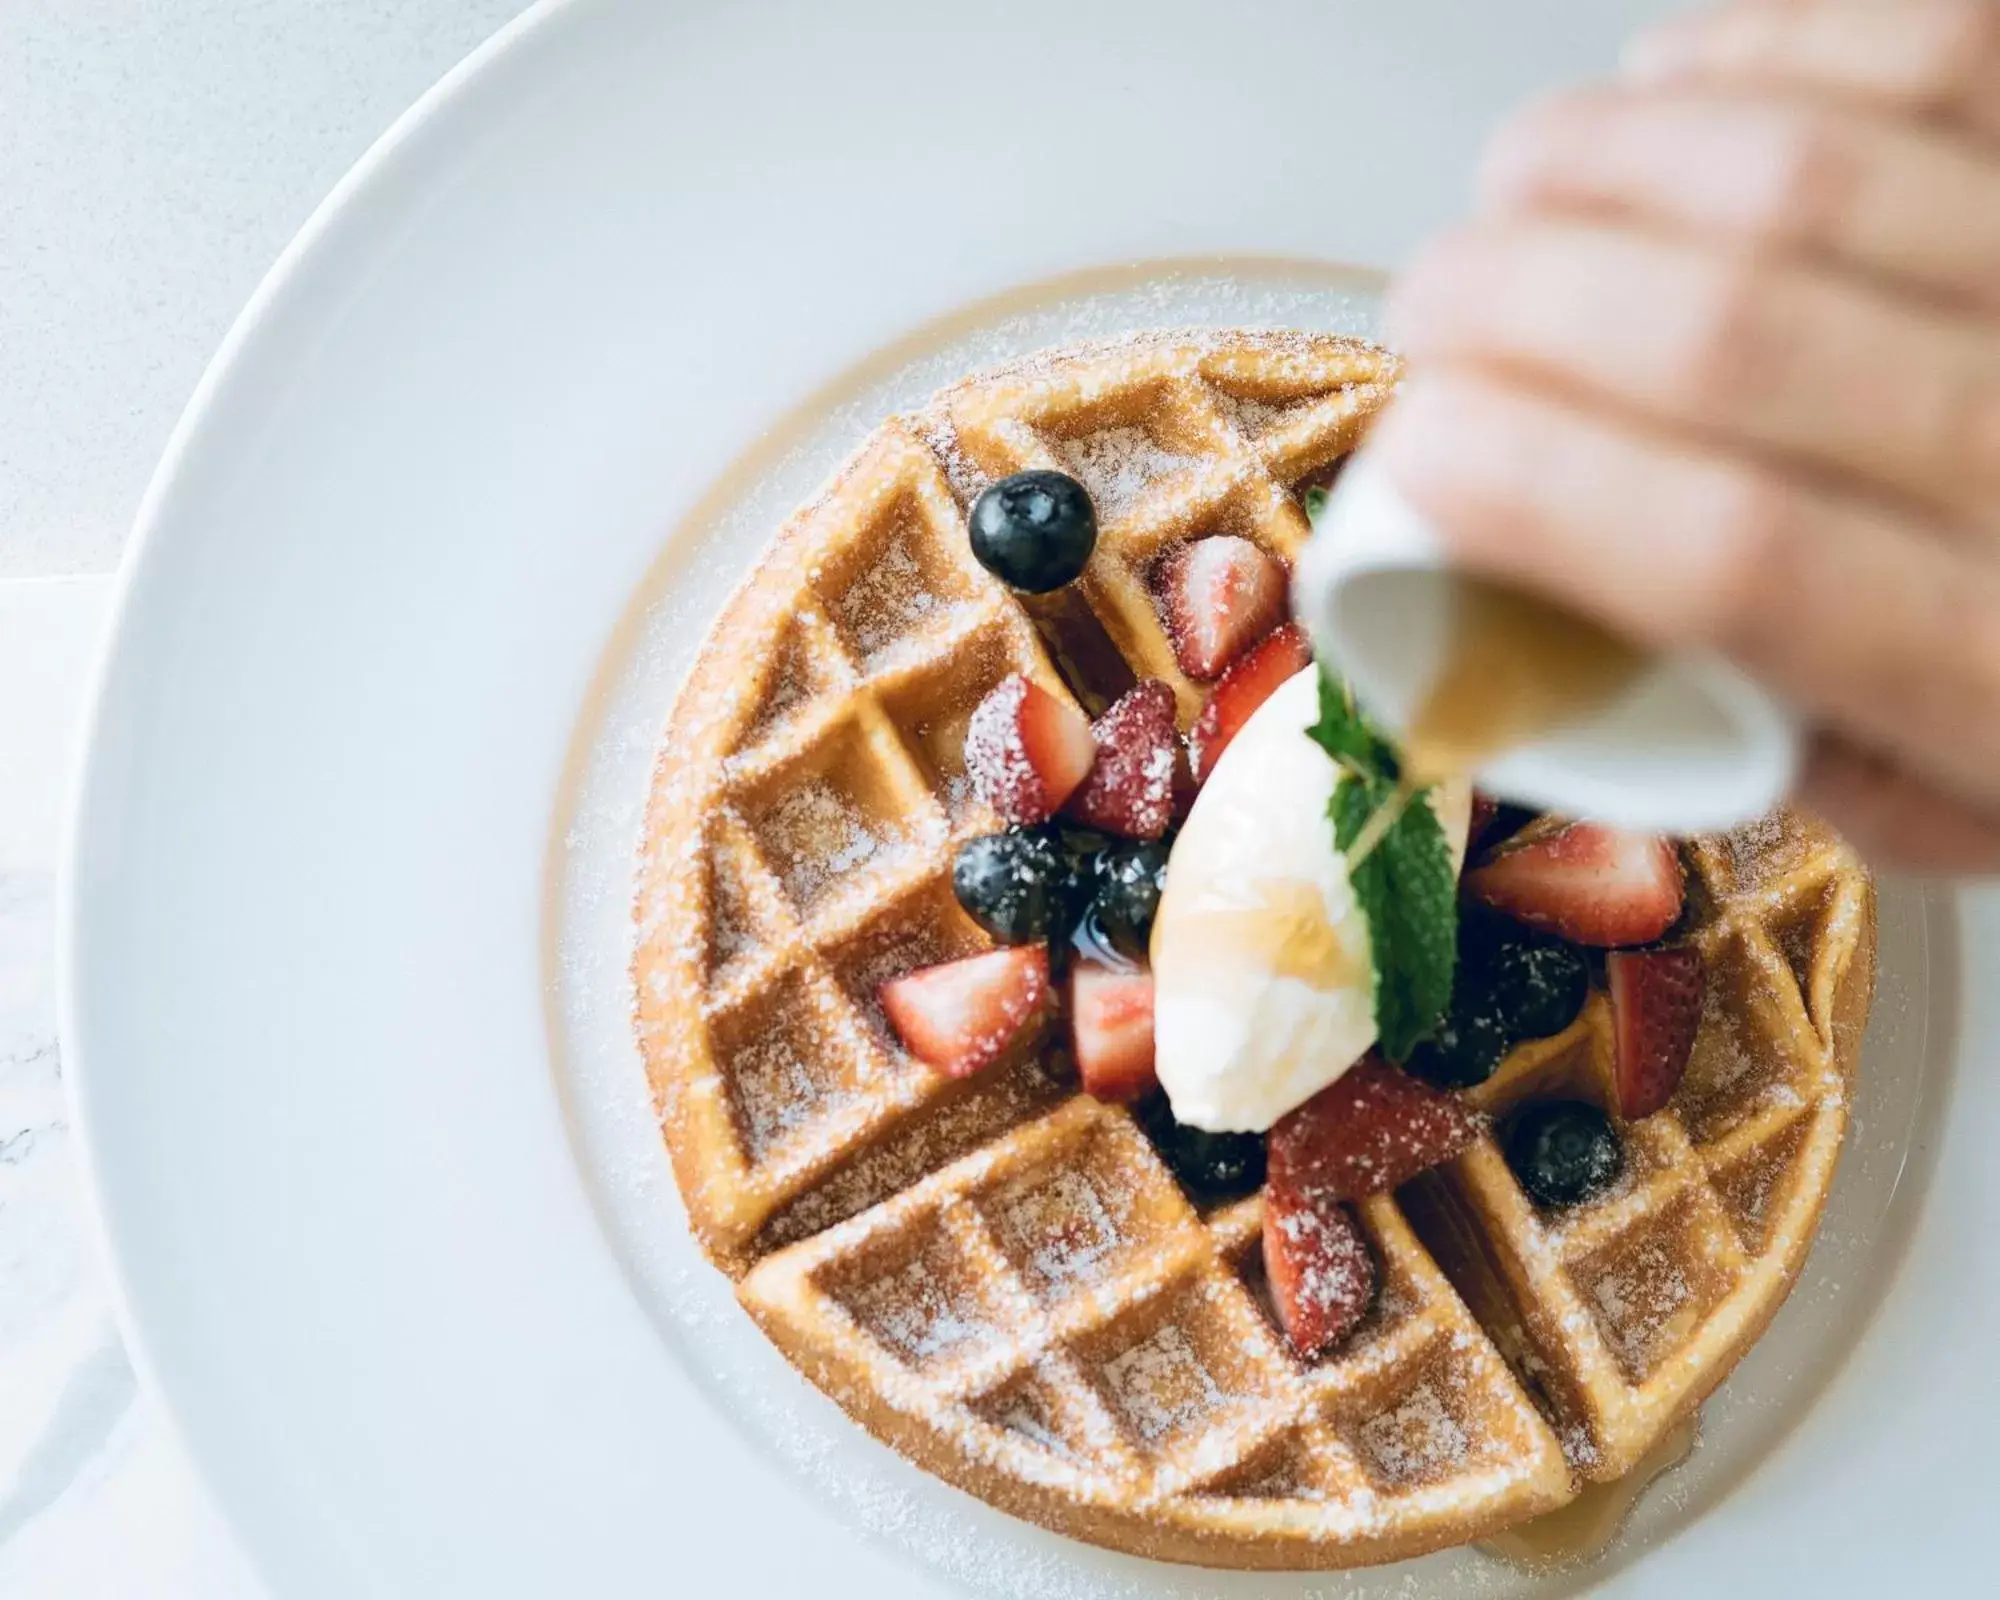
point(1587, 1527)
point(1577, 1534)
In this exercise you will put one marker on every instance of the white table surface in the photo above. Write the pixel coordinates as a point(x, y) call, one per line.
point(155, 156)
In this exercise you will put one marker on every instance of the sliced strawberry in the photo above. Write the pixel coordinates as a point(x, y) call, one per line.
point(1111, 1030)
point(1130, 791)
point(1656, 1003)
point(1586, 882)
point(1244, 687)
point(964, 1015)
point(1026, 750)
point(1321, 1271)
point(1372, 1128)
point(1221, 595)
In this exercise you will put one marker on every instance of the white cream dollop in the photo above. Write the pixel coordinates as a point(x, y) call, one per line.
point(1264, 986)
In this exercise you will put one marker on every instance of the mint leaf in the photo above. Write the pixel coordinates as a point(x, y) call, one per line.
point(1343, 733)
point(1406, 888)
point(1404, 885)
point(1315, 499)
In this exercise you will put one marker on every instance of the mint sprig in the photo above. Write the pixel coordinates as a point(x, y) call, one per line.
point(1403, 883)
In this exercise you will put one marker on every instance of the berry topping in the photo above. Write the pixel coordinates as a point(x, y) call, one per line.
point(1209, 1166)
point(1026, 750)
point(1656, 1004)
point(1243, 688)
point(1372, 1128)
point(1533, 987)
point(1585, 881)
point(1221, 595)
point(1510, 985)
point(1082, 850)
point(1130, 790)
point(1466, 1049)
point(1564, 1151)
point(1130, 879)
point(964, 1015)
point(1111, 1030)
point(1012, 884)
point(1034, 530)
point(1321, 1271)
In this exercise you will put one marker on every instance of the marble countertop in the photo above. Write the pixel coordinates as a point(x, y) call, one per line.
point(154, 160)
point(96, 1498)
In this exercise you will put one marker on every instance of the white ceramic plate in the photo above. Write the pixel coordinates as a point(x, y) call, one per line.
point(343, 979)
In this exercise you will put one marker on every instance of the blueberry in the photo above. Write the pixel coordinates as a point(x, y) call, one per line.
point(1537, 985)
point(1466, 1050)
point(1089, 939)
point(1034, 531)
point(1129, 880)
point(1209, 1166)
point(1564, 1151)
point(1011, 884)
point(1510, 985)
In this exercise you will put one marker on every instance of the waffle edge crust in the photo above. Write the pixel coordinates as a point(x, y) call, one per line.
point(998, 1276)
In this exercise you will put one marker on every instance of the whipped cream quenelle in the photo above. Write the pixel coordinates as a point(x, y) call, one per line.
point(1264, 984)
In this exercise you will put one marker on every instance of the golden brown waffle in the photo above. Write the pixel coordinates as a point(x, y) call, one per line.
point(999, 1276)
point(1624, 1313)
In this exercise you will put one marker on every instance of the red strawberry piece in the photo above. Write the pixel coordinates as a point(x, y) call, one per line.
point(1130, 791)
point(1243, 688)
point(1222, 594)
point(964, 1015)
point(1111, 1030)
point(1321, 1271)
point(1026, 750)
point(1372, 1128)
point(1586, 882)
point(1656, 1003)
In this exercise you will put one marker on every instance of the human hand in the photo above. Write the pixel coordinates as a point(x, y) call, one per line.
point(1719, 364)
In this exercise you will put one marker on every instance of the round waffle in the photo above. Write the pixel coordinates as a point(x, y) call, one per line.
point(999, 1276)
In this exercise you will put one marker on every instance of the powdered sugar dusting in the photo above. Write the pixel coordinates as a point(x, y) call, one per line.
point(1062, 1229)
point(916, 1312)
point(946, 1131)
point(790, 686)
point(1253, 418)
point(1286, 1481)
point(775, 1092)
point(1638, 1301)
point(885, 600)
point(818, 836)
point(729, 928)
point(1032, 1426)
point(1161, 1387)
point(1762, 851)
point(1732, 1073)
point(1117, 464)
point(1417, 1441)
point(781, 1075)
